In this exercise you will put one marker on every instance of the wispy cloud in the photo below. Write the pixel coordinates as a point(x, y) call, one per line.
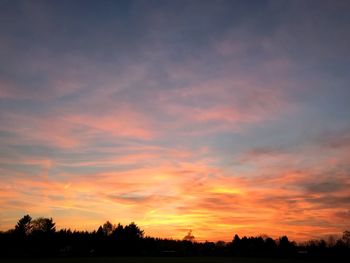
point(221, 118)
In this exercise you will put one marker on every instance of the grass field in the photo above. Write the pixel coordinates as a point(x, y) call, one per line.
point(162, 260)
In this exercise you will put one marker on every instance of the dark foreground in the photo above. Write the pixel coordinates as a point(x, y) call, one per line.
point(165, 260)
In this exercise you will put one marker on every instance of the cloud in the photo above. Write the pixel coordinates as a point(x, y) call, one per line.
point(325, 187)
point(334, 139)
point(186, 195)
point(217, 118)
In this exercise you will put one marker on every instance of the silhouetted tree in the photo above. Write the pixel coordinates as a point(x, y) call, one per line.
point(285, 246)
point(118, 232)
point(132, 231)
point(270, 246)
point(346, 238)
point(39, 238)
point(44, 225)
point(108, 228)
point(24, 225)
point(236, 244)
point(100, 231)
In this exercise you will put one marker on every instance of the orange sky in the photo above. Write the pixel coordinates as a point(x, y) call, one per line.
point(175, 195)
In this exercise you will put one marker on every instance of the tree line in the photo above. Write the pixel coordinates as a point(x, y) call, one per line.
point(40, 238)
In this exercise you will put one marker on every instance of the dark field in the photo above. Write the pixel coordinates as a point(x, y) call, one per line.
point(164, 260)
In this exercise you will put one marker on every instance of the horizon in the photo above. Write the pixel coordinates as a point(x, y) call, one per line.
point(189, 232)
point(112, 226)
point(220, 117)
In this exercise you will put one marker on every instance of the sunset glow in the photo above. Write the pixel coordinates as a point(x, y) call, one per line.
point(219, 117)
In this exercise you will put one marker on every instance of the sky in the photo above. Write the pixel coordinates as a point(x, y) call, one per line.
point(222, 117)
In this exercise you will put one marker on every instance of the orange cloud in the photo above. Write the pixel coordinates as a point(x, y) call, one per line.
point(191, 193)
point(188, 193)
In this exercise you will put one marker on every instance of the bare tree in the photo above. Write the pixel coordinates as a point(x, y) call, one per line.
point(45, 225)
point(189, 237)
